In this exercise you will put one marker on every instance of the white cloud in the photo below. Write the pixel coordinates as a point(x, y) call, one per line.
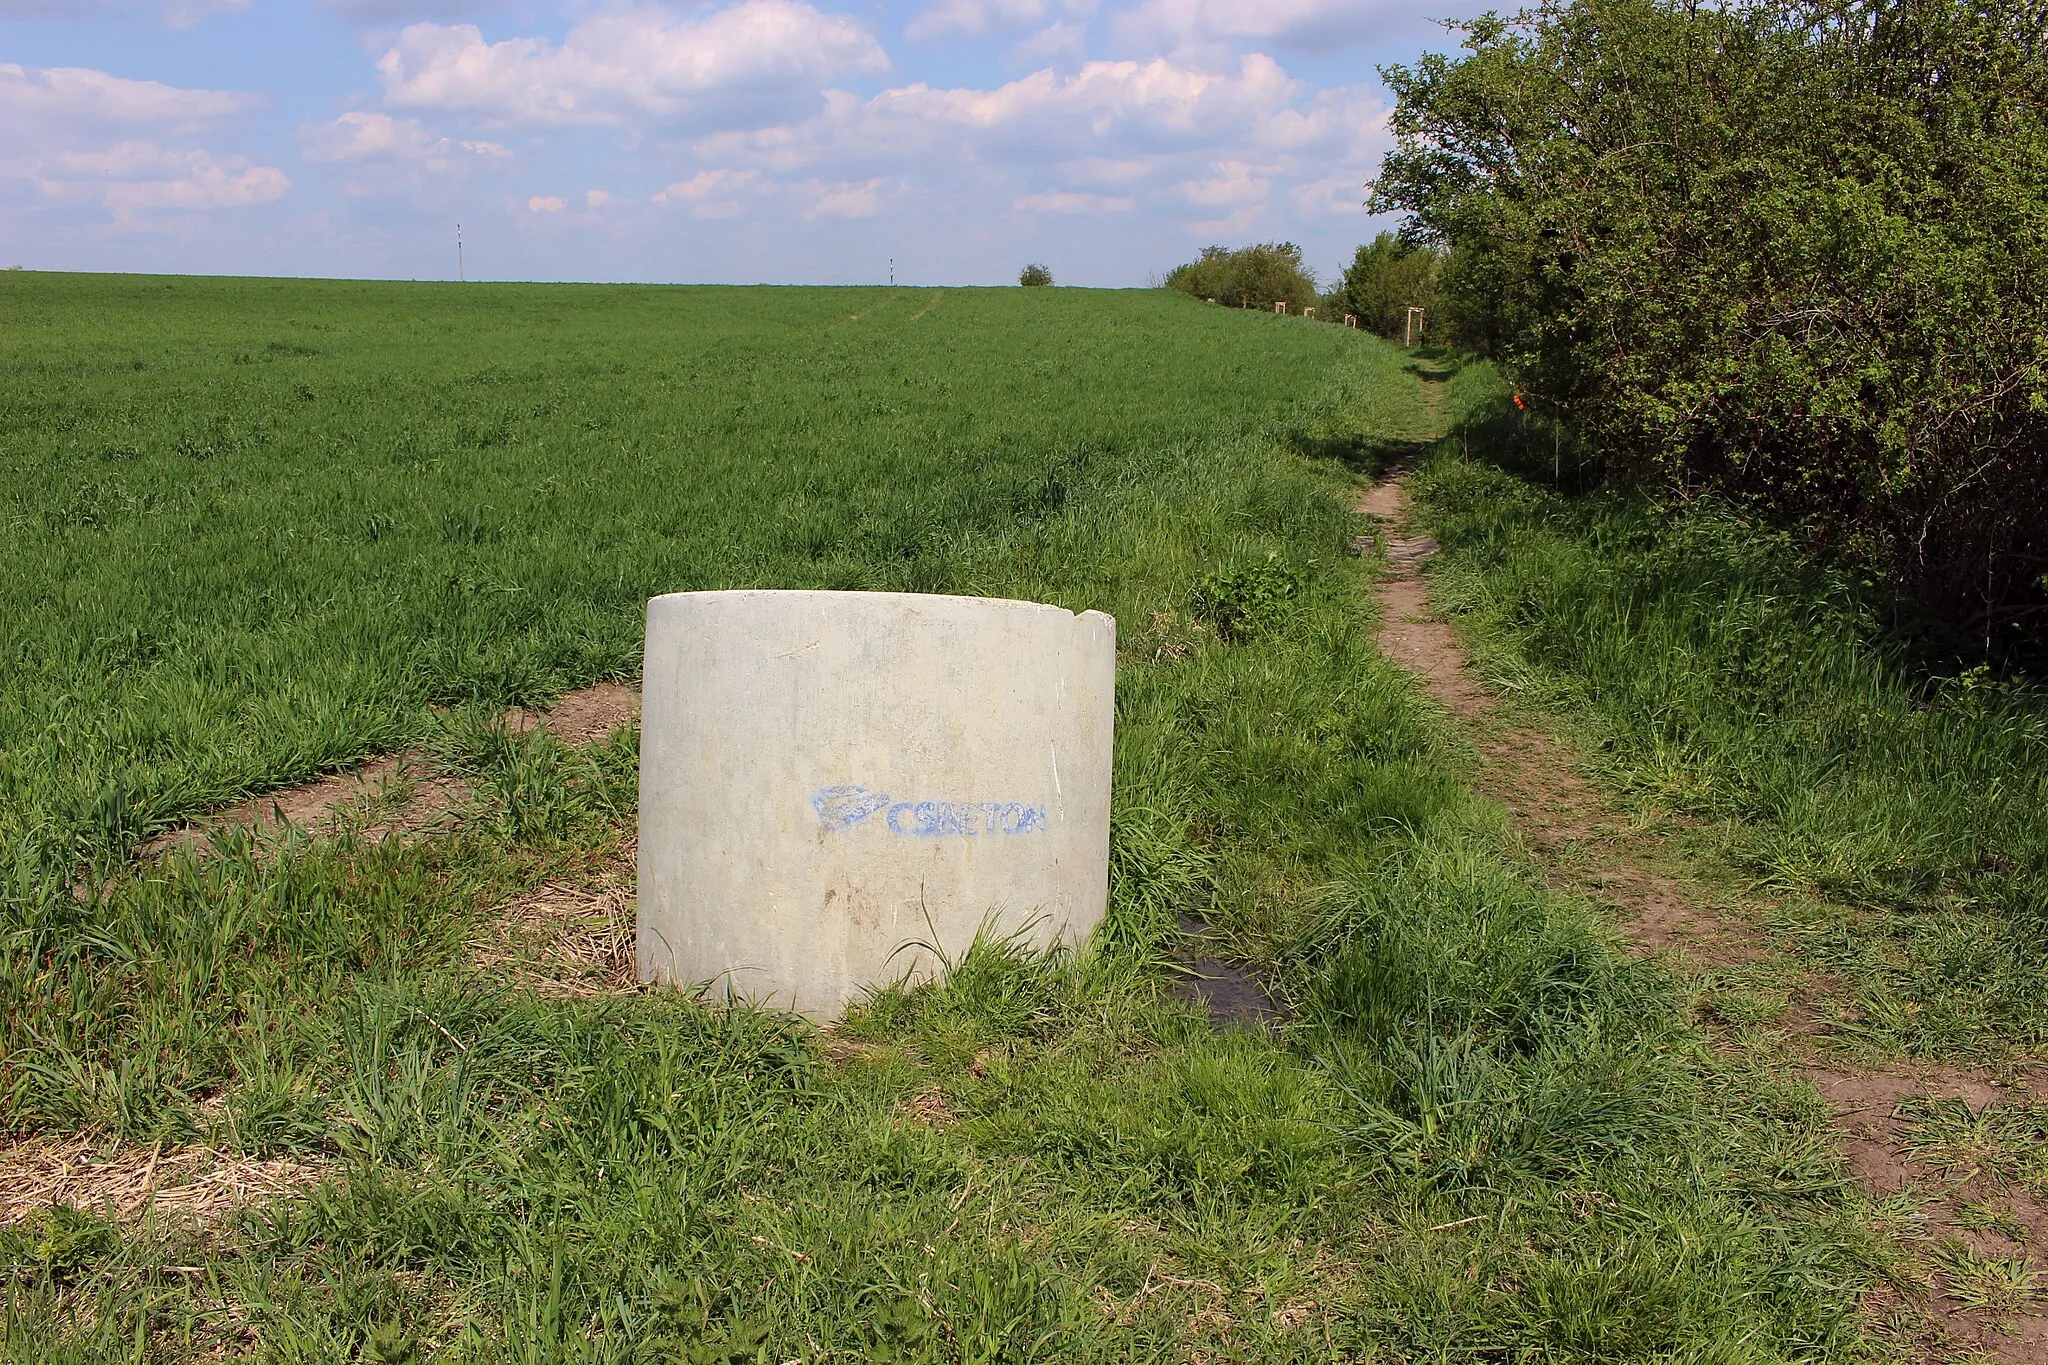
point(1231, 183)
point(717, 193)
point(1300, 25)
point(1134, 112)
point(360, 136)
point(978, 18)
point(135, 176)
point(845, 199)
point(85, 139)
point(380, 156)
point(1335, 194)
point(1067, 201)
point(74, 95)
point(1063, 40)
point(756, 61)
point(1207, 149)
point(597, 199)
point(544, 204)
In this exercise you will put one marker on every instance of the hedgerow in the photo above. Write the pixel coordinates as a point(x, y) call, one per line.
point(1791, 251)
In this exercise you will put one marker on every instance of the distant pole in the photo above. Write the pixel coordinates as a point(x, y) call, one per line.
point(461, 274)
point(892, 272)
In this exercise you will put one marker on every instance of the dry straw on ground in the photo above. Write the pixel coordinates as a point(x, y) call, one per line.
point(128, 1179)
point(568, 938)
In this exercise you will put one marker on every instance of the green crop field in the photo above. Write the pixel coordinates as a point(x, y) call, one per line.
point(258, 529)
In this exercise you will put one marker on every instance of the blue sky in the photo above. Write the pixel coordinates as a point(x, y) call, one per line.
point(787, 141)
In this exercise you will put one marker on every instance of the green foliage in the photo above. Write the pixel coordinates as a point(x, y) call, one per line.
point(1247, 600)
point(1726, 676)
point(1795, 251)
point(55, 1244)
point(1249, 277)
point(1034, 276)
point(1385, 279)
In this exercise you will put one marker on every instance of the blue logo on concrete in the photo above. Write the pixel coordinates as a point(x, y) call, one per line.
point(841, 808)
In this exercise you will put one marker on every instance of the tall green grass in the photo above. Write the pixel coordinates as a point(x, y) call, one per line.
point(1728, 676)
point(1481, 1132)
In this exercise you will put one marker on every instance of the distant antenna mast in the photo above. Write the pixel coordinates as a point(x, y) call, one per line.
point(461, 274)
point(892, 271)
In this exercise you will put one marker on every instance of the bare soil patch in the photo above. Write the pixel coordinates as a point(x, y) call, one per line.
point(584, 716)
point(1980, 1276)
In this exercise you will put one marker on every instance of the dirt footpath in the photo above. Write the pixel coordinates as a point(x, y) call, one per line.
point(1977, 1241)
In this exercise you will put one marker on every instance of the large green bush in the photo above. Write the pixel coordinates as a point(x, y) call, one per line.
point(1388, 277)
point(1793, 252)
point(1249, 277)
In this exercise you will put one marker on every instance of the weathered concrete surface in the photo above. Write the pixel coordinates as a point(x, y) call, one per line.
point(830, 779)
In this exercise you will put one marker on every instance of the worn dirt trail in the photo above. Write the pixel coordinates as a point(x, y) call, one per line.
point(1583, 843)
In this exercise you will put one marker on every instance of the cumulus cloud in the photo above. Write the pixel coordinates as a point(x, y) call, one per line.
point(1229, 185)
point(74, 95)
point(1208, 148)
point(844, 199)
point(757, 61)
point(379, 155)
point(358, 136)
point(716, 193)
point(1063, 40)
point(979, 18)
point(597, 199)
point(545, 204)
point(135, 176)
point(1333, 194)
point(88, 139)
point(1141, 110)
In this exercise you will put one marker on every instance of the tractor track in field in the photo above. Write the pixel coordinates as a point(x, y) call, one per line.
point(569, 936)
point(401, 793)
point(1583, 844)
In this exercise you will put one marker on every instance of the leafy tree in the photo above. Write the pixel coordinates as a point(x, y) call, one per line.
point(1386, 279)
point(1794, 251)
point(1249, 277)
point(1035, 276)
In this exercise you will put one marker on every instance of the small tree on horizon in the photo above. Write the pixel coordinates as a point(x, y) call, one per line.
point(1034, 276)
